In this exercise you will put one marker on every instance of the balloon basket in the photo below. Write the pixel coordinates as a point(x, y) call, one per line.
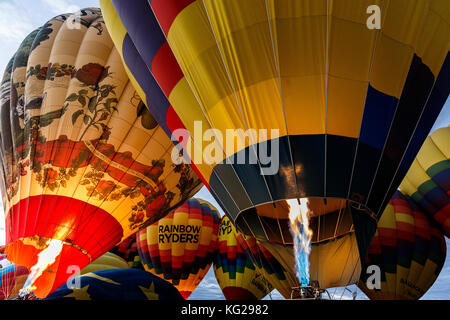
point(310, 292)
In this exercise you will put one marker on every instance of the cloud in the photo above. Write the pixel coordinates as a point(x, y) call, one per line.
point(14, 25)
point(57, 6)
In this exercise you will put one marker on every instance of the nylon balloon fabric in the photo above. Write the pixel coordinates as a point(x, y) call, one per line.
point(235, 272)
point(12, 278)
point(350, 106)
point(84, 163)
point(180, 247)
point(267, 265)
point(118, 284)
point(410, 250)
point(428, 180)
point(106, 261)
point(127, 250)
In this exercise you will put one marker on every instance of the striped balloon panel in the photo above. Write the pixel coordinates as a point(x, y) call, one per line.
point(83, 160)
point(235, 272)
point(361, 111)
point(268, 265)
point(428, 180)
point(409, 248)
point(179, 248)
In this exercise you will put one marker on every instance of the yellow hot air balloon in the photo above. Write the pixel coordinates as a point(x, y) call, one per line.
point(235, 272)
point(84, 163)
point(338, 110)
point(428, 180)
point(179, 248)
point(409, 250)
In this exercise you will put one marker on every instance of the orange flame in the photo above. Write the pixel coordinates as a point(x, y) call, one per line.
point(45, 258)
point(299, 215)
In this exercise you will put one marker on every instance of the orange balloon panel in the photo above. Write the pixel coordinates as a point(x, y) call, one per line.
point(83, 161)
point(179, 248)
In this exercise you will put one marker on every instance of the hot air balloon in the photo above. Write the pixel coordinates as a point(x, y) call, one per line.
point(266, 264)
point(179, 248)
point(409, 250)
point(340, 109)
point(107, 261)
point(428, 180)
point(235, 273)
point(127, 250)
point(12, 278)
point(118, 284)
point(84, 164)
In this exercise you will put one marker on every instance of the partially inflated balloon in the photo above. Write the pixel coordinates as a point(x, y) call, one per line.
point(84, 163)
point(118, 284)
point(127, 250)
point(235, 272)
point(107, 261)
point(267, 265)
point(12, 278)
point(409, 250)
point(428, 180)
point(349, 105)
point(179, 247)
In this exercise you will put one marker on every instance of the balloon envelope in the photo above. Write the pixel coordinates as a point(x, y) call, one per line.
point(127, 250)
point(83, 161)
point(409, 249)
point(267, 265)
point(235, 272)
point(107, 261)
point(118, 284)
point(428, 180)
point(352, 105)
point(179, 247)
point(12, 278)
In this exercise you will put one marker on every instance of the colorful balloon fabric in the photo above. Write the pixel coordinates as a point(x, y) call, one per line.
point(428, 180)
point(107, 261)
point(409, 249)
point(336, 253)
point(236, 275)
point(85, 164)
point(352, 105)
point(118, 284)
point(127, 250)
point(12, 278)
point(267, 265)
point(180, 247)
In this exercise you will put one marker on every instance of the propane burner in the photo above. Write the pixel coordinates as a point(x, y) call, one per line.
point(310, 292)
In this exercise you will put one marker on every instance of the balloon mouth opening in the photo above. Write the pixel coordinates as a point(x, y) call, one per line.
point(270, 221)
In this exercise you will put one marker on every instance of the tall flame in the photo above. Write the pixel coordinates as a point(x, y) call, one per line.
point(301, 233)
point(45, 258)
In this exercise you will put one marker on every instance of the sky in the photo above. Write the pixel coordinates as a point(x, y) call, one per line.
point(19, 17)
